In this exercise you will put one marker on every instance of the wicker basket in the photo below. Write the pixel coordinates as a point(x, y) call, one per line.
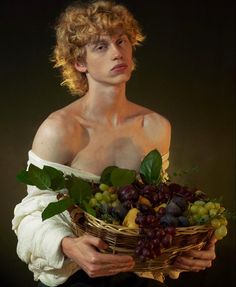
point(123, 240)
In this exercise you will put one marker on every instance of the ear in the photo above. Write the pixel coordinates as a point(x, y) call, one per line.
point(80, 67)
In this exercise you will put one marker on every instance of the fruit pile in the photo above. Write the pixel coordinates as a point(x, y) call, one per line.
point(157, 210)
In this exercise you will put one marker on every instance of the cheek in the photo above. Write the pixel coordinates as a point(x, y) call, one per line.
point(95, 63)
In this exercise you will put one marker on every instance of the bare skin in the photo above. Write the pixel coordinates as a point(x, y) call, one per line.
point(104, 128)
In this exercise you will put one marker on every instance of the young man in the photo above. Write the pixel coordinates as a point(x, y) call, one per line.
point(94, 50)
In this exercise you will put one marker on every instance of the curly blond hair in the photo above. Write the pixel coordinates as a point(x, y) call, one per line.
point(77, 26)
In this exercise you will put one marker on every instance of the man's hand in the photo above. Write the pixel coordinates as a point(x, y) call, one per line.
point(84, 251)
point(196, 260)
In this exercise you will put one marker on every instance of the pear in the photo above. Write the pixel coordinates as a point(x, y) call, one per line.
point(144, 200)
point(130, 217)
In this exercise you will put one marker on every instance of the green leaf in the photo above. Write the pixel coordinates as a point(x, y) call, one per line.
point(24, 177)
point(106, 175)
point(121, 177)
point(38, 177)
point(150, 168)
point(56, 177)
point(79, 190)
point(57, 207)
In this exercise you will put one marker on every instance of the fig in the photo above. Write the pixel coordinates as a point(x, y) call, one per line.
point(173, 209)
point(180, 201)
point(168, 220)
point(183, 221)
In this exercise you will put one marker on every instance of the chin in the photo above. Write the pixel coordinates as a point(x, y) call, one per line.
point(122, 78)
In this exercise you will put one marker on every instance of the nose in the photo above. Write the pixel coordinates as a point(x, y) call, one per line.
point(115, 52)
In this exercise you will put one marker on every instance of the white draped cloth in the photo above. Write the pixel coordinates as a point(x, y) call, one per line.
point(39, 242)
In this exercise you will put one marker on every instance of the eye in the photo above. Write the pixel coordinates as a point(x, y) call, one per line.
point(121, 41)
point(101, 47)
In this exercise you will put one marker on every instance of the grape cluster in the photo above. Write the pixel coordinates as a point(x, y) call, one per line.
point(156, 194)
point(104, 195)
point(154, 236)
point(128, 195)
point(201, 212)
point(107, 204)
point(152, 240)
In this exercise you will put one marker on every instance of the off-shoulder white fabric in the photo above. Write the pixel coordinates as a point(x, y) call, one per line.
point(39, 242)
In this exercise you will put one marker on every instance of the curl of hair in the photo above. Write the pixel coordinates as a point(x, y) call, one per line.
point(77, 26)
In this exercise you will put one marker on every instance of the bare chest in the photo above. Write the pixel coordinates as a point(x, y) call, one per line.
point(124, 147)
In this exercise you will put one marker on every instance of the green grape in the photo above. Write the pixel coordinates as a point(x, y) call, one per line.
point(209, 205)
point(116, 203)
point(106, 192)
point(104, 203)
point(217, 205)
point(199, 202)
point(203, 219)
point(98, 196)
point(106, 197)
point(223, 221)
point(93, 202)
point(215, 223)
point(196, 217)
point(202, 210)
point(114, 196)
point(103, 187)
point(213, 212)
point(194, 208)
point(220, 232)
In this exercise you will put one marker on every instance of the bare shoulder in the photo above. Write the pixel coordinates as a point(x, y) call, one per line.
point(56, 137)
point(159, 129)
point(156, 126)
point(151, 118)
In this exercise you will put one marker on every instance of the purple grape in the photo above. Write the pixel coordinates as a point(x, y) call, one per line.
point(128, 193)
point(162, 211)
point(170, 230)
point(175, 188)
point(167, 240)
point(150, 219)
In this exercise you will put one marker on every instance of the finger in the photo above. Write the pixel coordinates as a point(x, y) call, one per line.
point(193, 263)
point(111, 259)
point(97, 242)
point(108, 270)
point(201, 254)
point(187, 268)
point(106, 258)
point(211, 242)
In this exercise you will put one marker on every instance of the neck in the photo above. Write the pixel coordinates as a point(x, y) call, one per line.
point(106, 105)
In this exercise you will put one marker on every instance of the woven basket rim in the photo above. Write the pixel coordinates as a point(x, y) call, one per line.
point(119, 229)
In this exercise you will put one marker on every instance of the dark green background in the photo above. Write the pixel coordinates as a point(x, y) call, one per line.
point(185, 71)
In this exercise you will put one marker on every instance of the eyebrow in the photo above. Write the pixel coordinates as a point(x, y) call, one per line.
point(99, 40)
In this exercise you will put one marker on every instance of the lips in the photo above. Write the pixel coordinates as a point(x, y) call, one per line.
point(119, 67)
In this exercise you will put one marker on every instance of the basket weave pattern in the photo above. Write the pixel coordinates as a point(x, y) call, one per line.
point(123, 240)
